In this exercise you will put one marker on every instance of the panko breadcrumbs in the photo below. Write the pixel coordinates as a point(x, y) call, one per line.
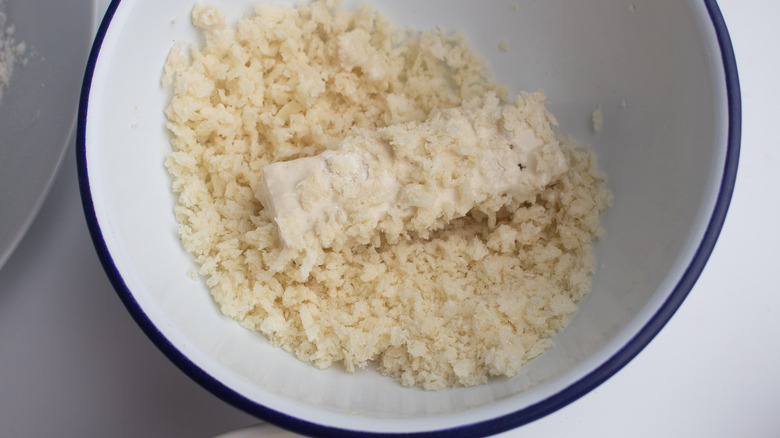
point(474, 299)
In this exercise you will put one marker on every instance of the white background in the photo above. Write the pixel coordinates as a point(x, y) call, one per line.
point(74, 363)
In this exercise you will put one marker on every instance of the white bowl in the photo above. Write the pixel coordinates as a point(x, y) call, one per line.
point(670, 153)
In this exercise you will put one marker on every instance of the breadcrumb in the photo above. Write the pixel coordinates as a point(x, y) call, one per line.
point(472, 300)
point(597, 117)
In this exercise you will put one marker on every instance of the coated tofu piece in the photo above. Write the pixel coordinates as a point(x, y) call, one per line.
point(413, 177)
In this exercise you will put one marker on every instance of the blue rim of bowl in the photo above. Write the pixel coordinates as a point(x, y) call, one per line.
point(483, 428)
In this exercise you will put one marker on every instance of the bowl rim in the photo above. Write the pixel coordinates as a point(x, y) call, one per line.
point(483, 428)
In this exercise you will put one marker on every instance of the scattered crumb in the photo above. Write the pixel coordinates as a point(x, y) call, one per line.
point(515, 7)
point(623, 104)
point(598, 118)
point(504, 46)
point(631, 7)
point(11, 51)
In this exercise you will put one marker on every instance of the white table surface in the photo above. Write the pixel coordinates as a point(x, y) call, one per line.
point(74, 364)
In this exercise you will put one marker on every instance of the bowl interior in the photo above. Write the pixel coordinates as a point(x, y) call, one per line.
point(655, 69)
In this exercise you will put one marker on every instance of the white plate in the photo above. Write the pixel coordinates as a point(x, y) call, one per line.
point(38, 107)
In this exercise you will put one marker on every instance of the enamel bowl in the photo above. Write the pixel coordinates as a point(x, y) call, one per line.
point(664, 75)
